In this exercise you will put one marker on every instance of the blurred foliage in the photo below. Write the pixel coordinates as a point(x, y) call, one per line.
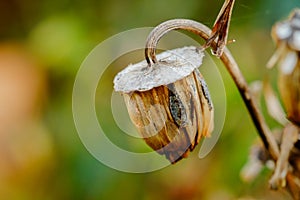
point(42, 46)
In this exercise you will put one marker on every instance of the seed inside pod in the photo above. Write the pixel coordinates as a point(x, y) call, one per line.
point(168, 102)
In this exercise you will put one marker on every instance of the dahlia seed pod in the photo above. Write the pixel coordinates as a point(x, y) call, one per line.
point(287, 37)
point(168, 102)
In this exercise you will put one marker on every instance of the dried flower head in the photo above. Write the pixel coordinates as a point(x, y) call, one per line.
point(168, 102)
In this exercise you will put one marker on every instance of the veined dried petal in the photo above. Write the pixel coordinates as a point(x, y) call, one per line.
point(171, 116)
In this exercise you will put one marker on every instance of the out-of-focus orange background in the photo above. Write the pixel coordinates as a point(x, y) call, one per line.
point(42, 44)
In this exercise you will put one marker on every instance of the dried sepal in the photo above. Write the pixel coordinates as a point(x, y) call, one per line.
point(220, 28)
point(171, 117)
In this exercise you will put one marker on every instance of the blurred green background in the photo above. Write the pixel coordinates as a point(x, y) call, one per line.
point(42, 44)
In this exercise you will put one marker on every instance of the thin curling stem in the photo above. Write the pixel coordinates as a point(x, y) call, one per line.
point(231, 65)
point(175, 24)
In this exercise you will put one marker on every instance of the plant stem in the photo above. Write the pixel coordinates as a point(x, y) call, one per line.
point(231, 65)
point(257, 117)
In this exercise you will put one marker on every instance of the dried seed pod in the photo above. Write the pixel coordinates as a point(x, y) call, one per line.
point(287, 36)
point(168, 102)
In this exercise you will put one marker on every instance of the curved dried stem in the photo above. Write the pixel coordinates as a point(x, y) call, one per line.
point(176, 24)
point(231, 65)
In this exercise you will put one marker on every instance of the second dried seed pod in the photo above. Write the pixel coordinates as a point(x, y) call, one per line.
point(287, 36)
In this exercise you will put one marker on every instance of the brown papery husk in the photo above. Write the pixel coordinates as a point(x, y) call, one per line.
point(172, 136)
